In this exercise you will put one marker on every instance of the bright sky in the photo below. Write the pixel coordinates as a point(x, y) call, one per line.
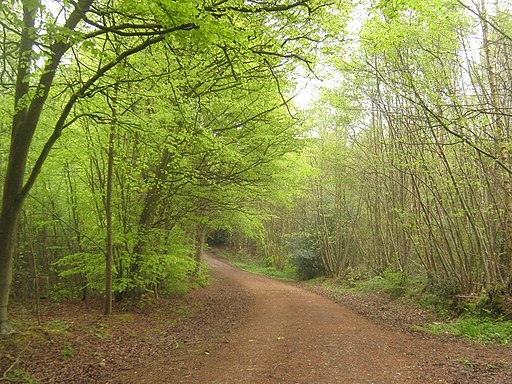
point(307, 91)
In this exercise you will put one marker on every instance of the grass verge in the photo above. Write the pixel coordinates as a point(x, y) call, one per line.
point(476, 329)
point(287, 274)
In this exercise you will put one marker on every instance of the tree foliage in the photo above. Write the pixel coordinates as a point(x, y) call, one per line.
point(139, 120)
point(413, 149)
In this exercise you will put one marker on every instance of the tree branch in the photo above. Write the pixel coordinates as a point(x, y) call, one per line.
point(61, 123)
point(486, 20)
point(74, 229)
point(263, 9)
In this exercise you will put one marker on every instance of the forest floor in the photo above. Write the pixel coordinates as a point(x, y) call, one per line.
point(244, 328)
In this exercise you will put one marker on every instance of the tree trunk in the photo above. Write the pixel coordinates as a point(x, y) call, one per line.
point(9, 218)
point(12, 201)
point(200, 243)
point(109, 259)
point(37, 292)
point(25, 121)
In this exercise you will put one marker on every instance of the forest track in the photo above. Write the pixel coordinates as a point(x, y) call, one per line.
point(294, 336)
point(243, 328)
point(291, 335)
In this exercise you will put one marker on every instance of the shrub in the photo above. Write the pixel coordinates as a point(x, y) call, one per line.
point(305, 256)
point(167, 267)
point(89, 268)
point(498, 302)
point(169, 271)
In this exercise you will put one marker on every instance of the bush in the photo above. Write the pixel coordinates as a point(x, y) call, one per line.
point(167, 268)
point(78, 269)
point(169, 271)
point(498, 302)
point(305, 256)
point(440, 295)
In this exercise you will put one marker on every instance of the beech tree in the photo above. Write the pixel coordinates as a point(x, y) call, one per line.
point(43, 59)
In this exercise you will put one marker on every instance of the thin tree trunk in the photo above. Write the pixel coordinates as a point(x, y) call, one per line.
point(200, 243)
point(37, 293)
point(8, 224)
point(109, 259)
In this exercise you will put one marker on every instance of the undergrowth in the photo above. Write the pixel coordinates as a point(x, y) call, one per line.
point(477, 329)
point(288, 273)
point(473, 320)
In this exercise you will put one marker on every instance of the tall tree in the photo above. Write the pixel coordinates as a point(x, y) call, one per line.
point(55, 34)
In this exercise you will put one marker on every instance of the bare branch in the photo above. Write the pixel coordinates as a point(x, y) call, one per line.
point(486, 20)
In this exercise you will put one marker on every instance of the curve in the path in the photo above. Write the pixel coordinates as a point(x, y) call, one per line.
point(294, 336)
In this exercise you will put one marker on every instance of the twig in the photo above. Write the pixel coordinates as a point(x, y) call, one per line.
point(4, 377)
point(58, 218)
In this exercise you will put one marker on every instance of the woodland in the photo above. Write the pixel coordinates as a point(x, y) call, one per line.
point(134, 133)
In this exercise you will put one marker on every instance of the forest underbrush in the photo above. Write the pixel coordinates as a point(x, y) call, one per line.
point(75, 343)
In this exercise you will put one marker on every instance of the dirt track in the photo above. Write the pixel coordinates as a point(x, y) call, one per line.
point(243, 328)
point(294, 336)
point(290, 335)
